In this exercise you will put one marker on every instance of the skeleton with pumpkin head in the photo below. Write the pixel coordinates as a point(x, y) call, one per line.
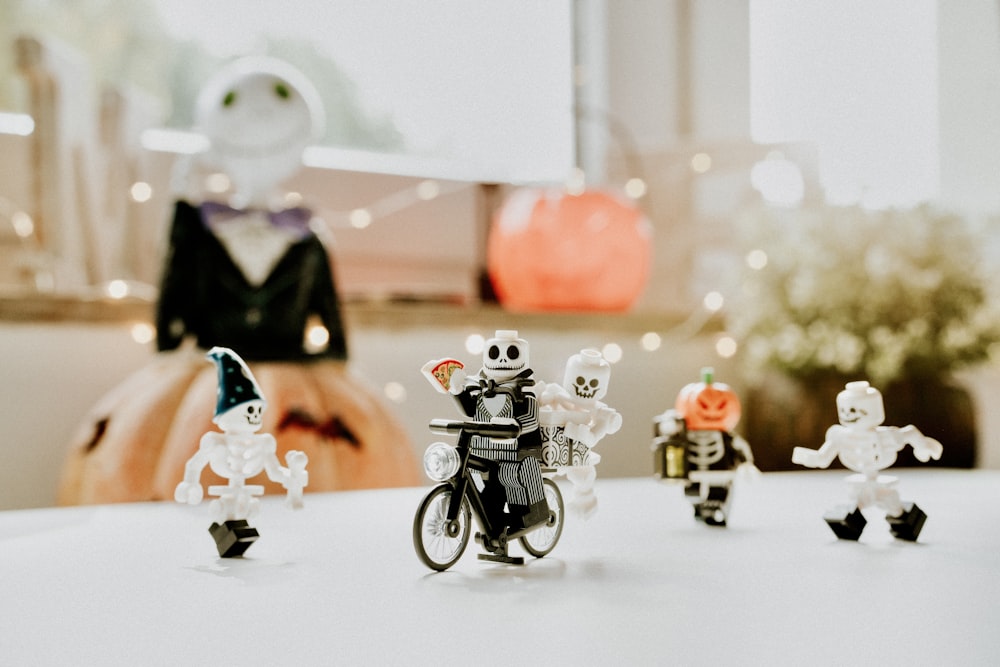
point(503, 391)
point(573, 420)
point(694, 443)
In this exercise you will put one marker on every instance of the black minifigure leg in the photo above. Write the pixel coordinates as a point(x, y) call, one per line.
point(233, 538)
point(711, 510)
point(908, 524)
point(497, 550)
point(846, 524)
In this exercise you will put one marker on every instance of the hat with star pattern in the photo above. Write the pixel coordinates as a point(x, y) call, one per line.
point(237, 384)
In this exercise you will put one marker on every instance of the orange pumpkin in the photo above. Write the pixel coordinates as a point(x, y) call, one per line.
point(708, 405)
point(134, 444)
point(550, 250)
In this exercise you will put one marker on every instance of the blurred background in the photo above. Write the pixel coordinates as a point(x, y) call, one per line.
point(820, 182)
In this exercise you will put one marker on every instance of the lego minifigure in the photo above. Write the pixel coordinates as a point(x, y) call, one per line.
point(502, 390)
point(573, 420)
point(694, 443)
point(866, 447)
point(238, 453)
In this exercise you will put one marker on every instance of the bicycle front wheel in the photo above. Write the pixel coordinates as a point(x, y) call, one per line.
point(440, 543)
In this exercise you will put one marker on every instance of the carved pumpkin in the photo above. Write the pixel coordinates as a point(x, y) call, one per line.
point(550, 250)
point(135, 443)
point(708, 405)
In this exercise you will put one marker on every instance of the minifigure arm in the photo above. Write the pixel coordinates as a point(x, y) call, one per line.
point(189, 489)
point(742, 449)
point(924, 447)
point(822, 457)
point(294, 478)
point(746, 470)
point(177, 284)
point(604, 420)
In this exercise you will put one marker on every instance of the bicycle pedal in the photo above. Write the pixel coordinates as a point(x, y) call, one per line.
point(502, 558)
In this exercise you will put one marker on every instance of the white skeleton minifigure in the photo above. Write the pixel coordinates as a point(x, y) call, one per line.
point(239, 453)
point(866, 447)
point(573, 420)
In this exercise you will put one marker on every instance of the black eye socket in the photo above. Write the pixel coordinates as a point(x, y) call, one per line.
point(513, 352)
point(494, 352)
point(594, 383)
point(229, 99)
point(581, 381)
point(281, 90)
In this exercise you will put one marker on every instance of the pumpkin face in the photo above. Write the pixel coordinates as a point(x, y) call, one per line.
point(708, 405)
point(549, 250)
point(136, 441)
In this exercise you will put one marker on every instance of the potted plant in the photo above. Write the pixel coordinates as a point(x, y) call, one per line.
point(833, 294)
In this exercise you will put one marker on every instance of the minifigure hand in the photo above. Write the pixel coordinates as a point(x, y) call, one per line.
point(748, 472)
point(804, 457)
point(188, 492)
point(931, 450)
point(614, 423)
point(298, 478)
point(669, 423)
point(457, 381)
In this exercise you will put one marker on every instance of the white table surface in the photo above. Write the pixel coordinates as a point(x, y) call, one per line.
point(639, 583)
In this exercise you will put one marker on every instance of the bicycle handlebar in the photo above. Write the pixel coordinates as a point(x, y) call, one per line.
point(503, 430)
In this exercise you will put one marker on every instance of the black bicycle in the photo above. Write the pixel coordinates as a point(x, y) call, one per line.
point(442, 526)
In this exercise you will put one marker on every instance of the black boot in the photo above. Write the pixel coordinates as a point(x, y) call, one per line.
point(846, 524)
point(233, 538)
point(908, 524)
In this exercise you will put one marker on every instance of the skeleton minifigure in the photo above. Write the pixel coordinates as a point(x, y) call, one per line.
point(503, 390)
point(237, 454)
point(867, 447)
point(694, 443)
point(574, 420)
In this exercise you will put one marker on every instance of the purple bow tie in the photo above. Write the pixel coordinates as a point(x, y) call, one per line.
point(294, 220)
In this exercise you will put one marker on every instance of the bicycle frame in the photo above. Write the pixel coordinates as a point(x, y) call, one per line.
point(463, 484)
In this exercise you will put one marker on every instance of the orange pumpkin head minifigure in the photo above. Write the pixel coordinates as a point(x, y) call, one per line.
point(708, 405)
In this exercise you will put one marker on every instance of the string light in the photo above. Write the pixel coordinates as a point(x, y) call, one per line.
point(612, 352)
point(117, 289)
point(725, 346)
point(142, 332)
point(360, 218)
point(650, 341)
point(756, 259)
point(474, 344)
point(635, 188)
point(23, 225)
point(576, 183)
point(395, 392)
point(713, 302)
point(701, 163)
point(140, 192)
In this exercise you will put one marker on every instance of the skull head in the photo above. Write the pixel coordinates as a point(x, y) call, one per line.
point(860, 407)
point(504, 356)
point(259, 115)
point(587, 376)
point(243, 418)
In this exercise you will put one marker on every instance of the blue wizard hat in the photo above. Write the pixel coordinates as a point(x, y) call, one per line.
point(237, 384)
